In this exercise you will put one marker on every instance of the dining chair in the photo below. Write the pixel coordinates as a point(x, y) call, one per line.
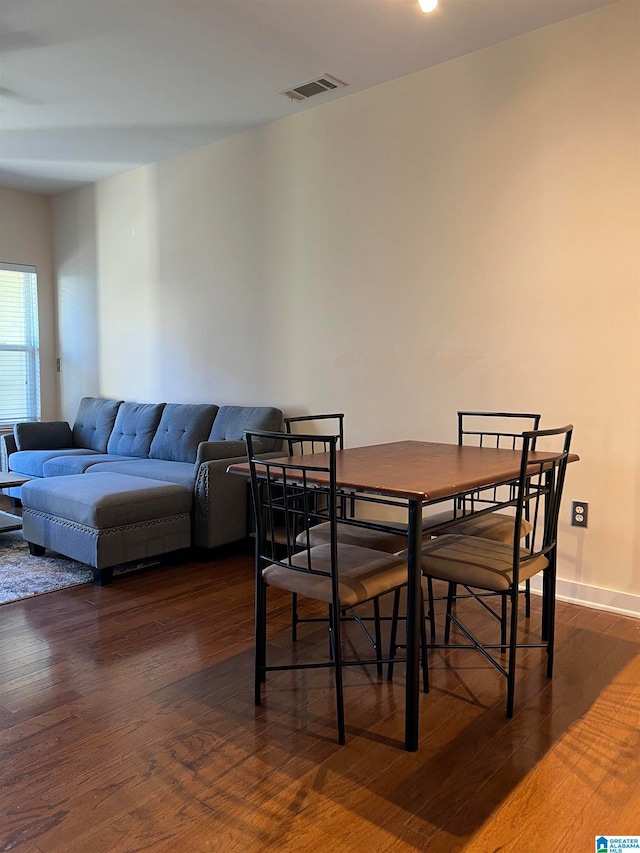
point(486, 429)
point(488, 565)
point(471, 514)
point(332, 424)
point(368, 533)
point(347, 534)
point(351, 533)
point(286, 496)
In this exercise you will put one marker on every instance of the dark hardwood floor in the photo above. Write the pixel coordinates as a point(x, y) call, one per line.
point(127, 724)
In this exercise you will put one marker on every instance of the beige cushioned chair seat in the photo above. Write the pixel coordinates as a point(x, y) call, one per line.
point(494, 525)
point(476, 562)
point(349, 534)
point(363, 574)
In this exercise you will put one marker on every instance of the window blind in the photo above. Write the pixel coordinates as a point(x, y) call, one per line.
point(19, 348)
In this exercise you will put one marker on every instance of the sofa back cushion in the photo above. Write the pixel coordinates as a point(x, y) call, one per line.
point(134, 429)
point(232, 421)
point(94, 423)
point(181, 429)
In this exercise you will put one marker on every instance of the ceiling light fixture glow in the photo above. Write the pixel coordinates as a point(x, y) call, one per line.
point(428, 5)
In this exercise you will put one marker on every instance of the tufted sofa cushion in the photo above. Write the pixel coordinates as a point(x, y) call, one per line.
point(133, 431)
point(94, 423)
point(182, 427)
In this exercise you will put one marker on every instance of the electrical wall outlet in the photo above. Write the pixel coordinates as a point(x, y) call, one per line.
point(579, 513)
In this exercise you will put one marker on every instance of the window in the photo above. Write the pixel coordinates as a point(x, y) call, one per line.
point(19, 353)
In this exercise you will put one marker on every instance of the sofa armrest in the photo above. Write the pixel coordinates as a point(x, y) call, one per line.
point(227, 449)
point(43, 435)
point(212, 450)
point(7, 447)
point(220, 514)
point(221, 502)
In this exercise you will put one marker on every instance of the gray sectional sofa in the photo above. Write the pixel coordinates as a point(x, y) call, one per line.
point(187, 445)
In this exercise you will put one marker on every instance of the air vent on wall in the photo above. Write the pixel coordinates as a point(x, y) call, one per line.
point(314, 87)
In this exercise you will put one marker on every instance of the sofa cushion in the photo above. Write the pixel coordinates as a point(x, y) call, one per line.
point(183, 473)
point(232, 421)
point(181, 429)
point(64, 466)
point(31, 462)
point(94, 423)
point(106, 500)
point(44, 435)
point(133, 431)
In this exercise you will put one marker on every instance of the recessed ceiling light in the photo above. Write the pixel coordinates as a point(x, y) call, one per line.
point(428, 5)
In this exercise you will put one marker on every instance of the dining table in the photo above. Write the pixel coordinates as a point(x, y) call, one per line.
point(416, 474)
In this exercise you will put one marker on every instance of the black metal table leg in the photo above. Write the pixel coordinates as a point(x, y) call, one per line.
point(414, 614)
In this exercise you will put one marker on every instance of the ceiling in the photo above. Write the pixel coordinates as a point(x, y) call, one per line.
point(92, 88)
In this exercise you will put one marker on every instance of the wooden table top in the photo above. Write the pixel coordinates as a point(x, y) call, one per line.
point(418, 470)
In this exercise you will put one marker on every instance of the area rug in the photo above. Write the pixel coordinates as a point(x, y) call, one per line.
point(23, 576)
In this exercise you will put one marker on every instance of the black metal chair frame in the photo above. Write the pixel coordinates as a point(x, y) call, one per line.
point(346, 508)
point(469, 502)
point(314, 443)
point(538, 493)
point(452, 595)
point(494, 438)
point(282, 492)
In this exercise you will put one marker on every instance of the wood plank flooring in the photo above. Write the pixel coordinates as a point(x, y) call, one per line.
point(127, 724)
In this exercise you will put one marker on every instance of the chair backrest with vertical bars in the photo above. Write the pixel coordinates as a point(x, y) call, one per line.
point(331, 424)
point(538, 493)
point(494, 429)
point(287, 501)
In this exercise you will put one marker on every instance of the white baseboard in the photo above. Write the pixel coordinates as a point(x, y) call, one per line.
point(625, 603)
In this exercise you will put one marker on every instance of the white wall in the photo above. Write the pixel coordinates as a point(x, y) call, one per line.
point(464, 237)
point(77, 272)
point(26, 238)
